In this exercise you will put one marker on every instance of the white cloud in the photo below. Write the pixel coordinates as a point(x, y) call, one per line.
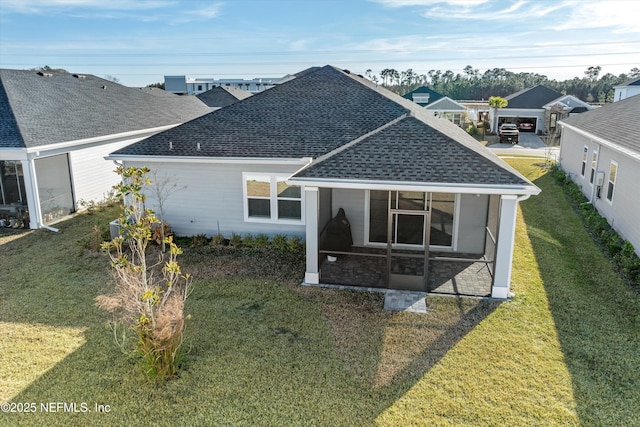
point(43, 6)
point(620, 16)
point(200, 14)
point(457, 3)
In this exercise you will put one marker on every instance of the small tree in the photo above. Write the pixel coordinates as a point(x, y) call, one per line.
point(149, 292)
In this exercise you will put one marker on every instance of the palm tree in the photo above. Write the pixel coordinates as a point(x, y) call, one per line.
point(496, 102)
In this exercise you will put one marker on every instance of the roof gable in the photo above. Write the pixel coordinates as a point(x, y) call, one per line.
point(616, 123)
point(220, 96)
point(61, 107)
point(412, 151)
point(532, 98)
point(568, 102)
point(423, 91)
point(446, 104)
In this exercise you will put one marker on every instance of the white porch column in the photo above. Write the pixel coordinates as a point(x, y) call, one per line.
point(32, 197)
point(504, 250)
point(311, 201)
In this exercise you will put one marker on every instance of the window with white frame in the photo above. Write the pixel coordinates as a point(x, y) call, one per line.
point(594, 161)
point(585, 155)
point(268, 198)
point(613, 172)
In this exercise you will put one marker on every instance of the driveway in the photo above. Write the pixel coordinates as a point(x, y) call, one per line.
point(530, 144)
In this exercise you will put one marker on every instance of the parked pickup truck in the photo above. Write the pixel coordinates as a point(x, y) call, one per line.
point(509, 133)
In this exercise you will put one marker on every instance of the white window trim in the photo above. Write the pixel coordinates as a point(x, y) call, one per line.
point(613, 193)
point(594, 168)
point(585, 159)
point(454, 231)
point(273, 182)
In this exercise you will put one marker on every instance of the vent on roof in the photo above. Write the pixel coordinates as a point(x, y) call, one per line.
point(198, 146)
point(79, 76)
point(347, 71)
point(43, 74)
point(170, 145)
point(104, 86)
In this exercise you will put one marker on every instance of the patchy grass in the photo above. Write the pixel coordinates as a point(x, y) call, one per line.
point(265, 351)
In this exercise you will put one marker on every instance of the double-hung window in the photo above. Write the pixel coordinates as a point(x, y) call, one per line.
point(585, 155)
point(268, 198)
point(594, 162)
point(613, 171)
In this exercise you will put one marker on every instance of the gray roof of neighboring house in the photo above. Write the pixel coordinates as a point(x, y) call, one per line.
point(632, 82)
point(350, 126)
point(445, 104)
point(532, 98)
point(221, 96)
point(433, 95)
point(38, 109)
point(616, 123)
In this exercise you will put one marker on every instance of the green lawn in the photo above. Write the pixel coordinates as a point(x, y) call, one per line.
point(265, 351)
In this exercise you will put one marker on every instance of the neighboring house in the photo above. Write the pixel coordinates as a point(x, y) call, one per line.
point(600, 151)
point(56, 128)
point(221, 96)
point(627, 89)
point(327, 140)
point(440, 105)
point(539, 106)
point(182, 85)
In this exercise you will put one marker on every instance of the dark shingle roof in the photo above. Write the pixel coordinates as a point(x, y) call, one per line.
point(219, 96)
point(632, 82)
point(616, 123)
point(533, 97)
point(350, 126)
point(64, 107)
point(433, 95)
point(411, 151)
point(306, 117)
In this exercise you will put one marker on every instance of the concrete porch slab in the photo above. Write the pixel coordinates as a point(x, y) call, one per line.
point(410, 301)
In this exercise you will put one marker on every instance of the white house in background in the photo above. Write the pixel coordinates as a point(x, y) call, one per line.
point(627, 89)
point(441, 105)
point(600, 151)
point(56, 129)
point(183, 85)
point(328, 140)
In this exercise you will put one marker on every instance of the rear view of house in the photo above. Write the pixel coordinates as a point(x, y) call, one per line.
point(414, 192)
point(56, 129)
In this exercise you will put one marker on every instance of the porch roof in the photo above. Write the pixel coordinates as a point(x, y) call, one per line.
point(413, 154)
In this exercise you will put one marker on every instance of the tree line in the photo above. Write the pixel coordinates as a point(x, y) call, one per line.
point(473, 85)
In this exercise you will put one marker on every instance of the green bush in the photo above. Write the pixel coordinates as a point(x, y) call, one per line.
point(236, 240)
point(294, 245)
point(199, 240)
point(217, 240)
point(472, 129)
point(248, 240)
point(280, 242)
point(261, 241)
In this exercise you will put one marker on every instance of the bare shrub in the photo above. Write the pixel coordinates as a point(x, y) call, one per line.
point(150, 288)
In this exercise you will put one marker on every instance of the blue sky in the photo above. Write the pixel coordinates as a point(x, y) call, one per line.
point(141, 41)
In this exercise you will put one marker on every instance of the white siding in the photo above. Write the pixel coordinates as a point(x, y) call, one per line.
point(624, 210)
point(93, 176)
point(212, 199)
